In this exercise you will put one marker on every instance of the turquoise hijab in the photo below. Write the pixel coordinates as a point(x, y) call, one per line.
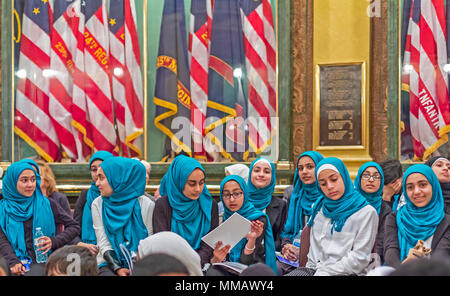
point(375, 199)
point(251, 213)
point(191, 219)
point(87, 229)
point(416, 223)
point(121, 212)
point(16, 208)
point(302, 199)
point(338, 210)
point(261, 197)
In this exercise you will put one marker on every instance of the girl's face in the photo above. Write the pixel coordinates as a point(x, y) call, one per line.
point(194, 184)
point(26, 184)
point(261, 174)
point(306, 167)
point(370, 180)
point(418, 189)
point(94, 168)
point(332, 184)
point(232, 196)
point(441, 168)
point(103, 184)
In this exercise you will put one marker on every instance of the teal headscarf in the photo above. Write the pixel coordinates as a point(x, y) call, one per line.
point(249, 212)
point(416, 223)
point(302, 199)
point(261, 197)
point(375, 199)
point(16, 209)
point(87, 229)
point(350, 202)
point(191, 219)
point(121, 212)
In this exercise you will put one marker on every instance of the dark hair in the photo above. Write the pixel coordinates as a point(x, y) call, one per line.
point(438, 265)
point(157, 264)
point(63, 257)
point(392, 170)
point(258, 269)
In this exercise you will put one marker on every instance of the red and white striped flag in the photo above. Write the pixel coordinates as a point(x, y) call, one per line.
point(63, 65)
point(199, 46)
point(260, 52)
point(32, 119)
point(126, 76)
point(97, 87)
point(426, 49)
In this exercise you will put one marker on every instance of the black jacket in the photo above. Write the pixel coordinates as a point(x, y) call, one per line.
point(439, 244)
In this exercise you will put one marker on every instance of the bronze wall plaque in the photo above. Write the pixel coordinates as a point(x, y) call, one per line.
point(340, 105)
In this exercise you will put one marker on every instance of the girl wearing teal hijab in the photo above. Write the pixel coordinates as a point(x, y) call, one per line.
point(421, 218)
point(343, 224)
point(87, 231)
point(122, 215)
point(302, 199)
point(373, 180)
point(23, 200)
point(261, 186)
point(242, 252)
point(186, 206)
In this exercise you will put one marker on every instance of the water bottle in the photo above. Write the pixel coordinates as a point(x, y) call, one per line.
point(297, 239)
point(40, 257)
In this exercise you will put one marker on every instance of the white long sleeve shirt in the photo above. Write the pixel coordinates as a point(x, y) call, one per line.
point(147, 206)
point(346, 252)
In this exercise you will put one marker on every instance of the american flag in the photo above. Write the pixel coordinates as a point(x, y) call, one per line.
point(260, 52)
point(64, 42)
point(97, 87)
point(126, 76)
point(32, 119)
point(199, 45)
point(424, 60)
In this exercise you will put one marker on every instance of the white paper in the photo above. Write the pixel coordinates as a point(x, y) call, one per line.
point(229, 232)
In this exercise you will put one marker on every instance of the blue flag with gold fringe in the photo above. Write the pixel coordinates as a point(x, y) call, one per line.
point(227, 103)
point(172, 97)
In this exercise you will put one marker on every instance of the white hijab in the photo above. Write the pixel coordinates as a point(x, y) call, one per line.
point(238, 169)
point(170, 243)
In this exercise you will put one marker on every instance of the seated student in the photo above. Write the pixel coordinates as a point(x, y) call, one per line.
point(261, 185)
point(304, 195)
point(369, 183)
point(71, 261)
point(82, 212)
point(185, 206)
point(48, 188)
point(171, 244)
point(121, 215)
point(343, 225)
point(392, 190)
point(251, 249)
point(441, 167)
point(22, 210)
point(421, 220)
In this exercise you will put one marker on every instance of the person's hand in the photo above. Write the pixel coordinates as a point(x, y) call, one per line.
point(219, 254)
point(256, 230)
point(290, 252)
point(389, 190)
point(92, 248)
point(17, 269)
point(46, 245)
point(123, 272)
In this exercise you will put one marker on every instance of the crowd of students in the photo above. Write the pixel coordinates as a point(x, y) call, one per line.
point(380, 221)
